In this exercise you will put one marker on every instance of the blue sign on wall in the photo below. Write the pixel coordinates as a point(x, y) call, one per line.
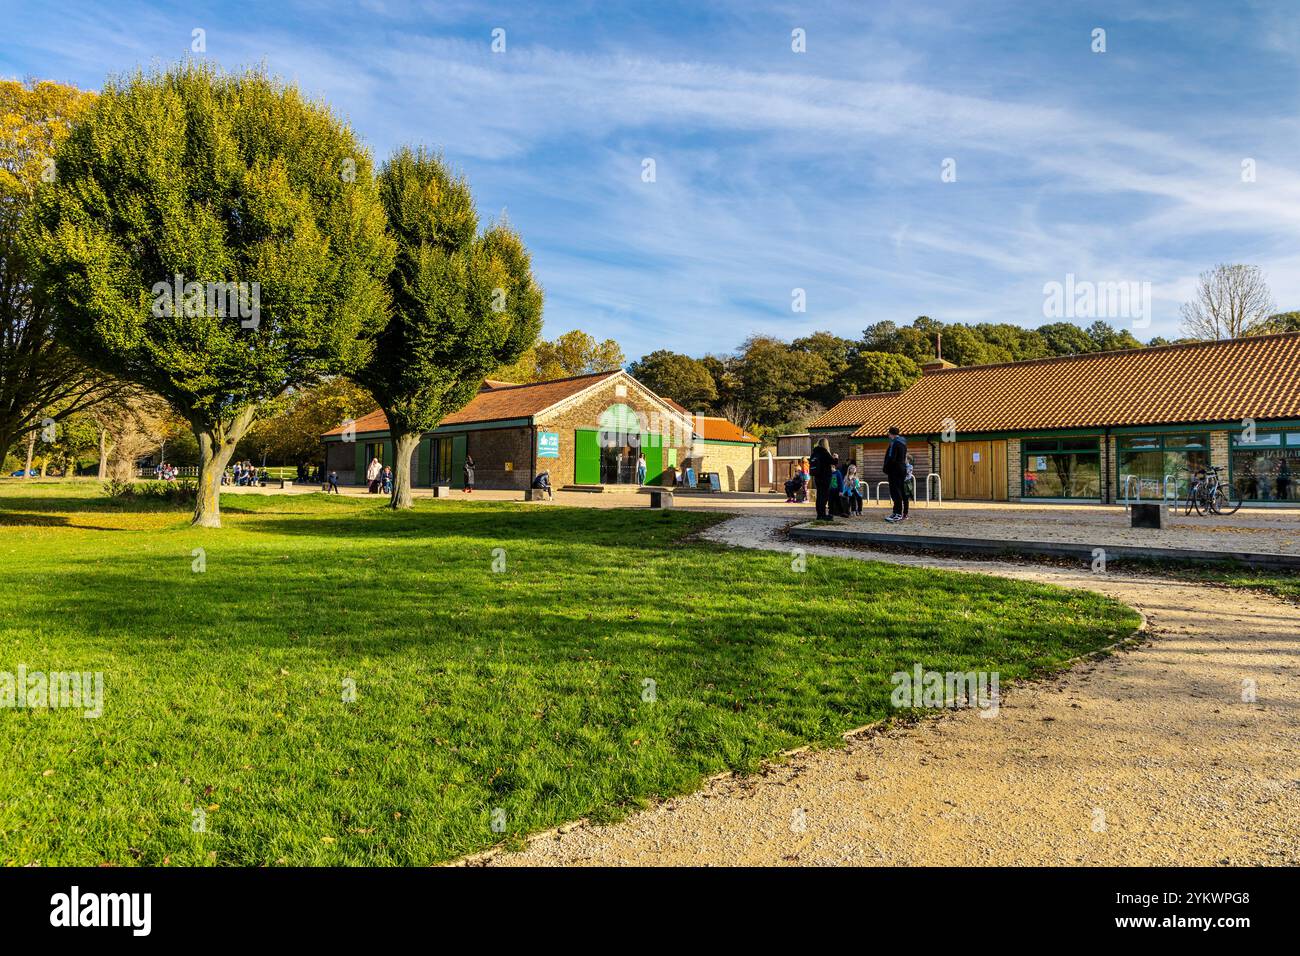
point(548, 444)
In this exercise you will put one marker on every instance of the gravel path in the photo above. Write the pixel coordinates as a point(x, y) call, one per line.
point(1148, 757)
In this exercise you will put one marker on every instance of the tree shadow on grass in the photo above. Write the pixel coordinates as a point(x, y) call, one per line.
point(490, 524)
point(25, 520)
point(105, 505)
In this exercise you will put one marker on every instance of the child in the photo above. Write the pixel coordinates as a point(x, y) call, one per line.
point(388, 480)
point(836, 491)
point(333, 483)
point(853, 486)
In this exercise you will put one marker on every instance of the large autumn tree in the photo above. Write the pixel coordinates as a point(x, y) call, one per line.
point(672, 375)
point(40, 378)
point(464, 303)
point(208, 179)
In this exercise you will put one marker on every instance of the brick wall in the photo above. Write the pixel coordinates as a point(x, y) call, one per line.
point(492, 449)
point(1014, 483)
point(341, 456)
point(841, 444)
point(1219, 451)
point(733, 463)
point(1110, 476)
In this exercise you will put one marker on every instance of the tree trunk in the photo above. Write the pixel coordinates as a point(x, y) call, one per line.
point(31, 450)
point(216, 446)
point(404, 446)
point(103, 454)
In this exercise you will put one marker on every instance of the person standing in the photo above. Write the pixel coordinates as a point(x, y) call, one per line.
point(469, 473)
point(896, 472)
point(640, 469)
point(820, 463)
point(333, 483)
point(372, 476)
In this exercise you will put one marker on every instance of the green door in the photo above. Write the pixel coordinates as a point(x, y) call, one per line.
point(458, 461)
point(652, 446)
point(423, 460)
point(586, 457)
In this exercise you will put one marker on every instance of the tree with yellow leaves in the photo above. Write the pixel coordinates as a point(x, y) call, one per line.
point(41, 382)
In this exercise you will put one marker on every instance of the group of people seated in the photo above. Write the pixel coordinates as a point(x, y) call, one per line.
point(796, 488)
point(165, 471)
point(243, 473)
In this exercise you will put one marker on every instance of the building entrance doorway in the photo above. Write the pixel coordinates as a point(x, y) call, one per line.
point(618, 455)
point(974, 470)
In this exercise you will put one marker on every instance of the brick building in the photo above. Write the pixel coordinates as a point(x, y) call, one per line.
point(586, 431)
point(1103, 426)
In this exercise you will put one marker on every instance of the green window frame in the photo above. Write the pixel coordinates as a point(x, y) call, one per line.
point(1085, 450)
point(1167, 446)
point(1264, 482)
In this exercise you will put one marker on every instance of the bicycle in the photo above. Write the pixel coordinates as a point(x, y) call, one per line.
point(1207, 493)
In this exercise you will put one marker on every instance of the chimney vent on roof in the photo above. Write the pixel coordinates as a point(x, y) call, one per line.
point(936, 365)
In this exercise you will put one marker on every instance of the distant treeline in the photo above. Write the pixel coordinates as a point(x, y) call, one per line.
point(771, 386)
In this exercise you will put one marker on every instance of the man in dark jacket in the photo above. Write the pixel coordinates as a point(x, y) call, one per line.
point(820, 464)
point(896, 471)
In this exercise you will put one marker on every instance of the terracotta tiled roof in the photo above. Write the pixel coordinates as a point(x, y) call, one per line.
point(853, 411)
point(719, 429)
point(499, 403)
point(376, 421)
point(1256, 377)
point(675, 405)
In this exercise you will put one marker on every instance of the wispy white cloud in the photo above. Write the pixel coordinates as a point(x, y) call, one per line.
point(777, 170)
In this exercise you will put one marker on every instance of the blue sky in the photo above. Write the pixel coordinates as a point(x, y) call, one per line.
point(777, 170)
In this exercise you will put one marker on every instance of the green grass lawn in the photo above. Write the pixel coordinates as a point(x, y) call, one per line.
point(475, 690)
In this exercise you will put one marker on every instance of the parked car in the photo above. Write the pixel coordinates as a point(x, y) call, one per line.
point(19, 473)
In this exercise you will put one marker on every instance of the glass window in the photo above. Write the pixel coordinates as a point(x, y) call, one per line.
point(1064, 468)
point(1262, 439)
point(1162, 464)
point(442, 461)
point(1266, 474)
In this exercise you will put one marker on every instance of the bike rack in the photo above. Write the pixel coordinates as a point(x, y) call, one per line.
point(880, 500)
point(1128, 499)
point(934, 476)
point(1164, 496)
